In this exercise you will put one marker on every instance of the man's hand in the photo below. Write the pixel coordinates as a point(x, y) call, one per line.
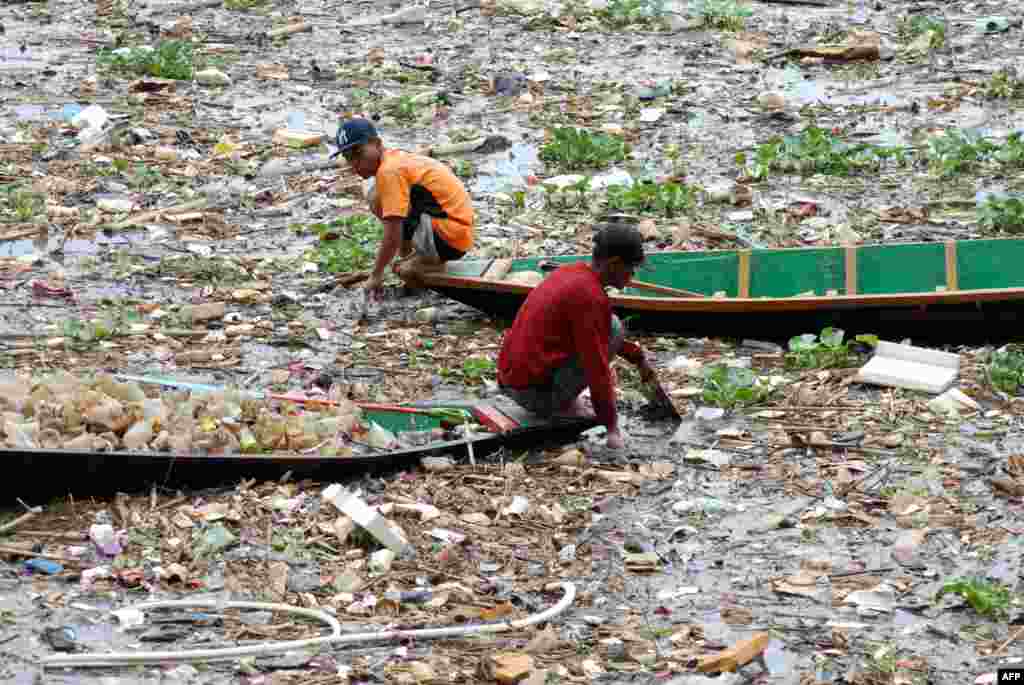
point(614, 440)
point(646, 371)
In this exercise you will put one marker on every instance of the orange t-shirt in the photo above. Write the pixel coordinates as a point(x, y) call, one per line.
point(409, 185)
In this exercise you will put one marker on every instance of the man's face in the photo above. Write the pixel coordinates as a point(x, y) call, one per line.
point(364, 159)
point(620, 272)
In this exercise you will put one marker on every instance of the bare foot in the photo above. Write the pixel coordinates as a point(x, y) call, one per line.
point(411, 270)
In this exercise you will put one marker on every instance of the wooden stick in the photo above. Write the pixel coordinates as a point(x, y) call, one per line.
point(1020, 631)
point(735, 658)
point(665, 290)
point(39, 555)
point(7, 527)
point(290, 30)
point(53, 535)
point(155, 213)
point(188, 8)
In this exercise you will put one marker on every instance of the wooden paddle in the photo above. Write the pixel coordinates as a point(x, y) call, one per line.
point(639, 285)
point(659, 403)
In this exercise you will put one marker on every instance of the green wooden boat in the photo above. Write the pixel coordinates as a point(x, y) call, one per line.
point(955, 291)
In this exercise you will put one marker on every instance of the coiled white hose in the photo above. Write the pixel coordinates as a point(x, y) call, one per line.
point(270, 648)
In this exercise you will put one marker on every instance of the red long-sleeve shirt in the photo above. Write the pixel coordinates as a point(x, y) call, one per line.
point(568, 313)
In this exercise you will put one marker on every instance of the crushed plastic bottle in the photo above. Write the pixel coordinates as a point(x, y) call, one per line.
point(139, 435)
point(90, 122)
point(409, 597)
point(823, 590)
point(214, 539)
point(104, 537)
point(706, 505)
point(380, 438)
point(70, 111)
point(46, 566)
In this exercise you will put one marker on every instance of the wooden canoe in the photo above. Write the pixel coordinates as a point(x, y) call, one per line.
point(956, 291)
point(40, 475)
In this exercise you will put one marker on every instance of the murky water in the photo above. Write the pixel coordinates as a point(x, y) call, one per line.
point(34, 112)
point(82, 247)
point(13, 59)
point(509, 172)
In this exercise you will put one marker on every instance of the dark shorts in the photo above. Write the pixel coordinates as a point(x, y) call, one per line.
point(566, 383)
point(446, 252)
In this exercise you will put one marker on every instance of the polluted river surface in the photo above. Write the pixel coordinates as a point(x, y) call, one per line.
point(152, 223)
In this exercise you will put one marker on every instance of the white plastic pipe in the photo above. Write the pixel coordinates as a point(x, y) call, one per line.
point(271, 648)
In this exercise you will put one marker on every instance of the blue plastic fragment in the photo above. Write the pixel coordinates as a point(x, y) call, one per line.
point(44, 566)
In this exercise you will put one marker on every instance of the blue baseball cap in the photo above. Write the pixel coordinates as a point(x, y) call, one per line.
point(352, 133)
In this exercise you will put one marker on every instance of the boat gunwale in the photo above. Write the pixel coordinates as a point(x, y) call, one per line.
point(756, 304)
point(299, 457)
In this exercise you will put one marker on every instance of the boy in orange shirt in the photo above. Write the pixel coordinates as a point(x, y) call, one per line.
point(427, 213)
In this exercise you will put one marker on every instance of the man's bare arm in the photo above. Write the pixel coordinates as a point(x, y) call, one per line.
point(389, 246)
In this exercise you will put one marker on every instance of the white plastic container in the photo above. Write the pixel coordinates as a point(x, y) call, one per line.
point(369, 518)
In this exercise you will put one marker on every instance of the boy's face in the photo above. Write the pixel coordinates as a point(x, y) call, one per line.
point(364, 159)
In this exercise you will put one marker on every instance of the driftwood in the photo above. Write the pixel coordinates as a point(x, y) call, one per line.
point(155, 214)
point(8, 527)
point(291, 29)
point(187, 8)
point(18, 551)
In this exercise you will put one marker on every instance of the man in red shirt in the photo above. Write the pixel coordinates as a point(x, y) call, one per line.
point(565, 336)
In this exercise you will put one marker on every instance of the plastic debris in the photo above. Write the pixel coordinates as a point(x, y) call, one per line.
point(953, 401)
point(507, 668)
point(878, 600)
point(213, 77)
point(367, 518)
point(913, 368)
point(129, 618)
point(104, 537)
point(91, 122)
point(381, 560)
point(707, 505)
point(214, 539)
point(47, 566)
point(62, 639)
point(518, 506)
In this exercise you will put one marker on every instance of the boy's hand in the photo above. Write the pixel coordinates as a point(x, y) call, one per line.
point(375, 286)
point(614, 440)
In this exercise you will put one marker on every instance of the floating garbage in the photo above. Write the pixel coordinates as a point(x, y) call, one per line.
point(50, 568)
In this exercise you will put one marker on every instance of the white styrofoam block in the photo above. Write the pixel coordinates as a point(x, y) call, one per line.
point(920, 355)
point(900, 373)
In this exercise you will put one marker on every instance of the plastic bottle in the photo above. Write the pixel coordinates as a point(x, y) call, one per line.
point(247, 441)
point(354, 507)
point(138, 436)
point(380, 438)
point(409, 597)
point(18, 434)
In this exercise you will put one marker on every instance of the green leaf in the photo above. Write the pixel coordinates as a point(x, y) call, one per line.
point(867, 339)
point(807, 341)
point(832, 337)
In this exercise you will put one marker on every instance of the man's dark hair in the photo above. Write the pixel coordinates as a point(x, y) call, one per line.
point(625, 242)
